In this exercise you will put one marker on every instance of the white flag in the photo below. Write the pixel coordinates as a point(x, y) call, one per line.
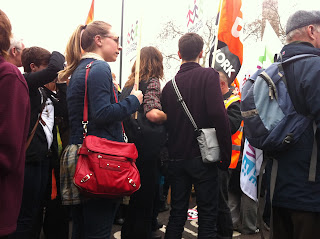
point(250, 169)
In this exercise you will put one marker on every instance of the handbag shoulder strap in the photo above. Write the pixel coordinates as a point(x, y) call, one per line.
point(183, 104)
point(85, 107)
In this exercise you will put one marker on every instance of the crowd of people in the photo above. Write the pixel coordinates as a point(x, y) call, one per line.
point(41, 129)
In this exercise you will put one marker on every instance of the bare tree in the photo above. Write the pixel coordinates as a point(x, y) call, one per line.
point(254, 30)
point(171, 33)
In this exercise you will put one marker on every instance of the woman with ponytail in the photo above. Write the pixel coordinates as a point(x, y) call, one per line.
point(96, 43)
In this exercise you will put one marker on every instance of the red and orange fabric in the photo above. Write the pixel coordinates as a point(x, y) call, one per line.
point(230, 15)
point(90, 14)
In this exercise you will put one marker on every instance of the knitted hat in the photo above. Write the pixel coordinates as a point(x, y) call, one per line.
point(301, 19)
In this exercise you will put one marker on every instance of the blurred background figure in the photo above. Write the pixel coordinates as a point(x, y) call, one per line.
point(15, 51)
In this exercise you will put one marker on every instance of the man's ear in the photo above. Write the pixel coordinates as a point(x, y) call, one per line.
point(13, 51)
point(179, 54)
point(33, 67)
point(310, 31)
point(200, 54)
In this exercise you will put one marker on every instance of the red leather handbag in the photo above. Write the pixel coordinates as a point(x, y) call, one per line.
point(105, 168)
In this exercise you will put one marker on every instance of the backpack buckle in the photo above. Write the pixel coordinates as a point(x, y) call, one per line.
point(288, 139)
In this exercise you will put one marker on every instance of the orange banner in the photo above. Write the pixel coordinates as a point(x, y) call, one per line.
point(90, 14)
point(230, 26)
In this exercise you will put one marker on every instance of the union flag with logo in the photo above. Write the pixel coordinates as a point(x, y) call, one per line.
point(227, 51)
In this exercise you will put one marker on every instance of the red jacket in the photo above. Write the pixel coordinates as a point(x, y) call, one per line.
point(14, 126)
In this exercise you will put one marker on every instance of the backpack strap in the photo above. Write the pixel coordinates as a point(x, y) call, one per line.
point(314, 156)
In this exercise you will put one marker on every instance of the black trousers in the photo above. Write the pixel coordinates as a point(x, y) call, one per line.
point(138, 221)
point(182, 174)
point(293, 224)
point(224, 224)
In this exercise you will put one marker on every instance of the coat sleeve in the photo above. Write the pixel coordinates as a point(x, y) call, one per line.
point(40, 78)
point(310, 87)
point(102, 106)
point(14, 123)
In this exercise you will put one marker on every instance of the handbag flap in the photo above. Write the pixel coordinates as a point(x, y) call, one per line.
point(104, 146)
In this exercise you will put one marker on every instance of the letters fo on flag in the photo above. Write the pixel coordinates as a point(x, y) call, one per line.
point(90, 14)
point(229, 50)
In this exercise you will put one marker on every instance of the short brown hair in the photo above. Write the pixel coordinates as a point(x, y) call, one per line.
point(150, 65)
point(190, 46)
point(37, 55)
point(5, 33)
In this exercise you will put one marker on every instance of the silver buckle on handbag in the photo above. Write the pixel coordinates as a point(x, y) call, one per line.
point(125, 138)
point(86, 178)
point(132, 182)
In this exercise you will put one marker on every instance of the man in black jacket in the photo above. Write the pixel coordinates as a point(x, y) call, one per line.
point(296, 200)
point(201, 92)
point(41, 67)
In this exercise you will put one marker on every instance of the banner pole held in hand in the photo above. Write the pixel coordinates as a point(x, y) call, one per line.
point(137, 71)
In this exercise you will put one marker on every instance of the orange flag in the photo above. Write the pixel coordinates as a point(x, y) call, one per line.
point(229, 50)
point(236, 86)
point(90, 14)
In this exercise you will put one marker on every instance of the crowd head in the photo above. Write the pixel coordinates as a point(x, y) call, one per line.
point(151, 65)
point(190, 46)
point(5, 33)
point(96, 37)
point(304, 26)
point(34, 58)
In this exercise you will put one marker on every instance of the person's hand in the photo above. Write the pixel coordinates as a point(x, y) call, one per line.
point(137, 93)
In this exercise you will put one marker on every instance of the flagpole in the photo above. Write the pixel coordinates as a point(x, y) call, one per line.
point(121, 43)
point(216, 39)
point(137, 71)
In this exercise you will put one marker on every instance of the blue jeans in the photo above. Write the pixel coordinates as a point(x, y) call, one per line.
point(182, 174)
point(93, 218)
point(36, 177)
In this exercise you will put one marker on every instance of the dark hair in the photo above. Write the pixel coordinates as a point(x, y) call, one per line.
point(82, 38)
point(190, 45)
point(150, 65)
point(5, 33)
point(37, 55)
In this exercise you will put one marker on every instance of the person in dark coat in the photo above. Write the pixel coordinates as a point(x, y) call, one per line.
point(296, 200)
point(41, 67)
point(14, 125)
point(201, 92)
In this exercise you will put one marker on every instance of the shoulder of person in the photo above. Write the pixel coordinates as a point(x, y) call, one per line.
point(99, 66)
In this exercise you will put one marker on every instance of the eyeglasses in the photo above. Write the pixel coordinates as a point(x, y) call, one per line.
point(116, 39)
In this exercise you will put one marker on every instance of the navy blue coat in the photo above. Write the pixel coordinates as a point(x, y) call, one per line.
point(105, 115)
point(293, 190)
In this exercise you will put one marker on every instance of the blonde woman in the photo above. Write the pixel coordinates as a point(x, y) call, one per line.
point(92, 218)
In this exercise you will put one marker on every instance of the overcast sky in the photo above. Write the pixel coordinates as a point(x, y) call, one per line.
point(49, 23)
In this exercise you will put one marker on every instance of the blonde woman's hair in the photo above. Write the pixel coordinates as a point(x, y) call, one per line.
point(82, 39)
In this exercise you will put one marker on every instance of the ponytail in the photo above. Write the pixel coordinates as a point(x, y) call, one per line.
point(73, 53)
